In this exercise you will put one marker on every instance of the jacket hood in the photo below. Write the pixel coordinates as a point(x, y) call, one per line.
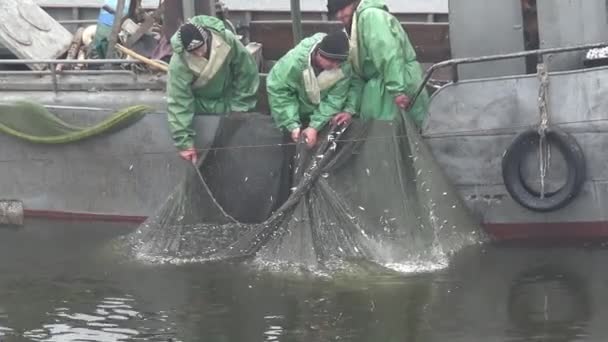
point(365, 4)
point(208, 22)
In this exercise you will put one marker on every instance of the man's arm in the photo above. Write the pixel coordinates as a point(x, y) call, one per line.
point(245, 78)
point(180, 104)
point(282, 96)
point(332, 104)
point(383, 41)
point(353, 99)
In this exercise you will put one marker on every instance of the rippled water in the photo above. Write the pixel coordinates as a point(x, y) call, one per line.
point(64, 282)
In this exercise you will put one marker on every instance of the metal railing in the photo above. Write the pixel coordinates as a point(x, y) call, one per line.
point(54, 73)
point(454, 63)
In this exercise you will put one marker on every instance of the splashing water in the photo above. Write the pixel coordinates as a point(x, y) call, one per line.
point(362, 195)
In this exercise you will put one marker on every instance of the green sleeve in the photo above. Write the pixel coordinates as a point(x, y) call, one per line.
point(331, 105)
point(353, 100)
point(245, 78)
point(384, 41)
point(180, 103)
point(283, 96)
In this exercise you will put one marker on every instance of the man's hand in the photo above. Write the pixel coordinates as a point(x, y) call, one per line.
point(189, 155)
point(402, 101)
point(295, 134)
point(310, 134)
point(342, 119)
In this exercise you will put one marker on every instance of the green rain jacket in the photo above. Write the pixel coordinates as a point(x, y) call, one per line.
point(227, 82)
point(384, 64)
point(297, 96)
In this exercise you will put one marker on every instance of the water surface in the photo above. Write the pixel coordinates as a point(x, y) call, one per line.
point(63, 282)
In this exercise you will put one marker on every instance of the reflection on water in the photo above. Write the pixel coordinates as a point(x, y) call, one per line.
point(101, 325)
point(63, 282)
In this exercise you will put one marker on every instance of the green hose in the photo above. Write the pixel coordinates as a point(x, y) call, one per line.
point(34, 123)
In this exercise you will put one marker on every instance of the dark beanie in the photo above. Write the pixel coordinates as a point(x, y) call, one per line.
point(193, 36)
point(335, 46)
point(334, 6)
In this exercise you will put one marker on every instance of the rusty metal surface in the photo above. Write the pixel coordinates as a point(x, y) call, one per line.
point(431, 40)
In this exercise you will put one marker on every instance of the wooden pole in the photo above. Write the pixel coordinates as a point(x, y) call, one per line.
point(148, 61)
point(74, 48)
point(120, 8)
point(296, 19)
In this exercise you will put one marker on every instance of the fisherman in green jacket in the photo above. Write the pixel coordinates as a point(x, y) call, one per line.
point(210, 72)
point(386, 74)
point(309, 85)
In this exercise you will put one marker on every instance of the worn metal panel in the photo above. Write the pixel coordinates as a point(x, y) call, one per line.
point(130, 172)
point(568, 23)
point(472, 123)
point(488, 27)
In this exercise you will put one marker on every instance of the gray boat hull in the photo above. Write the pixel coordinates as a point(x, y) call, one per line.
point(472, 123)
point(128, 174)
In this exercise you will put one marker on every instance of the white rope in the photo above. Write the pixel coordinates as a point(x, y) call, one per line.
point(543, 145)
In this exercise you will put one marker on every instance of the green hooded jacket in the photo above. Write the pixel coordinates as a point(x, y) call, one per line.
point(227, 82)
point(295, 98)
point(384, 64)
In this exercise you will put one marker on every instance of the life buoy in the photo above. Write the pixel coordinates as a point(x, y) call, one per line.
point(521, 192)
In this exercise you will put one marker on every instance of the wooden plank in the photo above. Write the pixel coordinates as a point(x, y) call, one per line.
point(30, 33)
point(431, 40)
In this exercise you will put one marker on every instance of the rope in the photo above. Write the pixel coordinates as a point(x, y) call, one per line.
point(543, 146)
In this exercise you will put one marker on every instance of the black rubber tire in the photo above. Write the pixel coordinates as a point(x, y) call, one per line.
point(517, 188)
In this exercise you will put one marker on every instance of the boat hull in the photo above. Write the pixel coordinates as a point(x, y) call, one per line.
point(131, 172)
point(472, 123)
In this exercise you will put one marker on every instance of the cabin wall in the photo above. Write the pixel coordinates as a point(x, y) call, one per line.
point(487, 27)
point(569, 23)
point(431, 40)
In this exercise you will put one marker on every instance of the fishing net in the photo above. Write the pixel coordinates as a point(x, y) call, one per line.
point(34, 123)
point(371, 191)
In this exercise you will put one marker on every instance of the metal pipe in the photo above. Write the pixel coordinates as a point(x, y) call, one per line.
point(77, 21)
point(120, 8)
point(54, 77)
point(66, 72)
point(296, 20)
point(471, 60)
point(67, 61)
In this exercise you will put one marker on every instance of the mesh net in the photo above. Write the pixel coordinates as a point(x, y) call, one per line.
point(34, 123)
point(368, 192)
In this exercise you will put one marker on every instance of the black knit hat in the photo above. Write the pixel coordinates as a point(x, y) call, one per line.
point(335, 46)
point(193, 36)
point(333, 6)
